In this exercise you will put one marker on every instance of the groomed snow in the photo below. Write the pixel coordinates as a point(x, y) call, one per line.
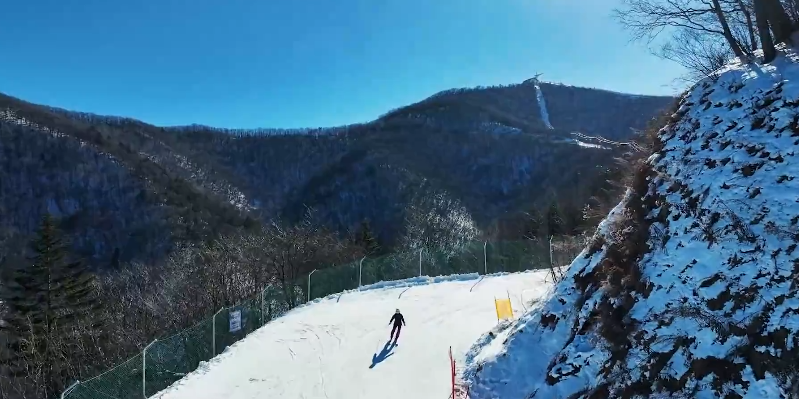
point(332, 347)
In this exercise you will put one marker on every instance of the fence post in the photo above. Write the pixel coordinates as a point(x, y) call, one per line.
point(309, 284)
point(420, 262)
point(68, 390)
point(552, 262)
point(452, 371)
point(485, 258)
point(213, 331)
point(360, 272)
point(144, 369)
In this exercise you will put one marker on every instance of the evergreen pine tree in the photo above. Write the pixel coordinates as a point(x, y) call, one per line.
point(554, 219)
point(49, 302)
point(532, 224)
point(368, 240)
point(571, 218)
point(115, 259)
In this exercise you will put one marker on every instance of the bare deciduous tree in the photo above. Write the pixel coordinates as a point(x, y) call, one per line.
point(702, 55)
point(780, 22)
point(746, 26)
point(147, 301)
point(295, 251)
point(700, 30)
point(696, 29)
point(646, 19)
point(769, 52)
point(433, 220)
point(771, 14)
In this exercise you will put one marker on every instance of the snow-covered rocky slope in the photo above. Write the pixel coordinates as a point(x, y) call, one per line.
point(689, 288)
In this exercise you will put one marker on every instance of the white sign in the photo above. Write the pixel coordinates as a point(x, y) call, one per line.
point(235, 320)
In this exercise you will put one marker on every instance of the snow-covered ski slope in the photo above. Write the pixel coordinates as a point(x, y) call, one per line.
point(542, 105)
point(335, 348)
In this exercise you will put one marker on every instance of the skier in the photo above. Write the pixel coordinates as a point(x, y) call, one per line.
point(398, 321)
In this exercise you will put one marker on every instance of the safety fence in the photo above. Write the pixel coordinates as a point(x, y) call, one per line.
point(167, 360)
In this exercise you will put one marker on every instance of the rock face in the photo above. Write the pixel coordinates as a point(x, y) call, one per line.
point(689, 288)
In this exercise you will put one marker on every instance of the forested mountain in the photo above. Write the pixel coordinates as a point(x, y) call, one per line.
point(445, 169)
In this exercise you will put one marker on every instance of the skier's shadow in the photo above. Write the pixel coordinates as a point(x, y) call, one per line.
point(384, 354)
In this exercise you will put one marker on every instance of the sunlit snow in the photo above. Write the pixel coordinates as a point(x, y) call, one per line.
point(336, 348)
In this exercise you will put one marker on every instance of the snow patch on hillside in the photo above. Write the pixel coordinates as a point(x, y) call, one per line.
point(542, 105)
point(498, 128)
point(10, 116)
point(708, 304)
point(589, 145)
point(159, 153)
point(601, 142)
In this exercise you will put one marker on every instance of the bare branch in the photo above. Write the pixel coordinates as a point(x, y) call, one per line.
point(702, 55)
point(647, 19)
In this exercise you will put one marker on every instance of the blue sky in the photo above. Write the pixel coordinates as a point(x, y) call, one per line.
point(286, 63)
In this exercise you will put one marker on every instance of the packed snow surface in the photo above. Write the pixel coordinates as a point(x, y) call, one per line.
point(336, 348)
point(708, 307)
point(542, 105)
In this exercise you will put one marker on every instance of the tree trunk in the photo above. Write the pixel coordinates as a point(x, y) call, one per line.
point(750, 25)
point(736, 49)
point(769, 52)
point(778, 20)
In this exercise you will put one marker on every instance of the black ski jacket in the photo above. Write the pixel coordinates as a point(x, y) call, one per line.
point(397, 319)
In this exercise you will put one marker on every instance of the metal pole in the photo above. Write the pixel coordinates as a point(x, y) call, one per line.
point(552, 259)
point(452, 371)
point(309, 284)
point(552, 262)
point(420, 262)
point(360, 272)
point(144, 369)
point(213, 331)
point(485, 257)
point(68, 390)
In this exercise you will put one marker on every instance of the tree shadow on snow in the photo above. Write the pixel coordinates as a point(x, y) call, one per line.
point(384, 354)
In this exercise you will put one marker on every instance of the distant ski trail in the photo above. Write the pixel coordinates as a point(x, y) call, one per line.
point(542, 106)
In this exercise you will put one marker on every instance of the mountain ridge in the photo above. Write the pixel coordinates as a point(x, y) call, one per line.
point(441, 93)
point(482, 152)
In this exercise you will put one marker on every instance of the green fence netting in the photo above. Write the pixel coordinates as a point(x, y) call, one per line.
point(123, 382)
point(335, 279)
point(517, 256)
point(395, 266)
point(170, 359)
point(445, 262)
point(167, 360)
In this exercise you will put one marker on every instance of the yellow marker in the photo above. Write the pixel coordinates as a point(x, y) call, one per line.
point(504, 308)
